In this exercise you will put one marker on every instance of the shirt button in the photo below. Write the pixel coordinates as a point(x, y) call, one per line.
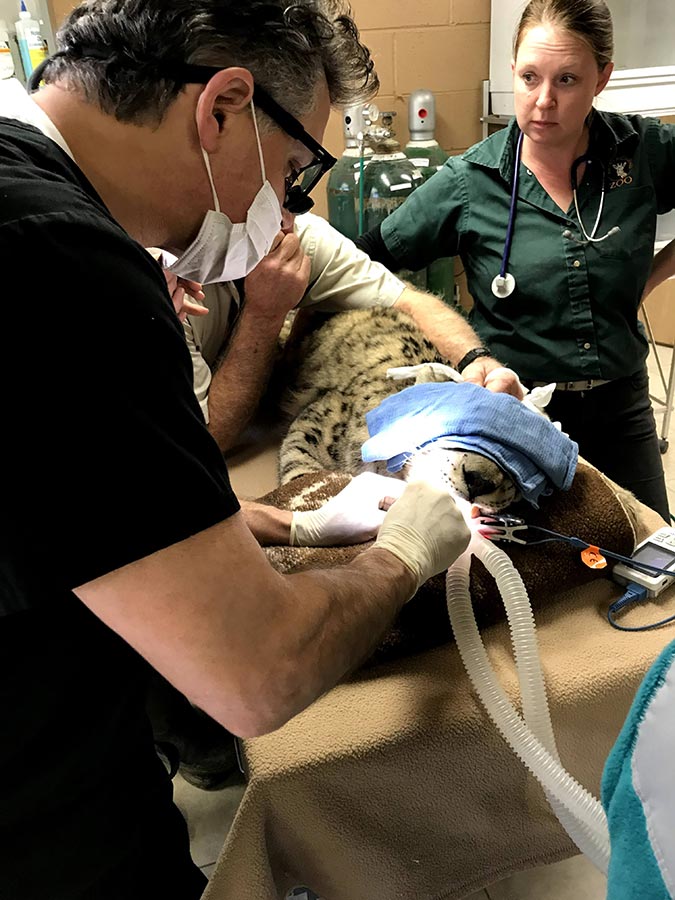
point(576, 263)
point(529, 171)
point(587, 346)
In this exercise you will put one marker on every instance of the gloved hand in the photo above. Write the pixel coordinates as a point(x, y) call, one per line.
point(425, 530)
point(351, 517)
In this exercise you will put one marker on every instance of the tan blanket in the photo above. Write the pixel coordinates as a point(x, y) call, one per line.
point(395, 785)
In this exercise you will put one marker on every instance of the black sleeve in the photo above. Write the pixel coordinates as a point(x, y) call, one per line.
point(373, 244)
point(106, 456)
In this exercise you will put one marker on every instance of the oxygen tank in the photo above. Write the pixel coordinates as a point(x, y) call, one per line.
point(343, 182)
point(426, 154)
point(388, 180)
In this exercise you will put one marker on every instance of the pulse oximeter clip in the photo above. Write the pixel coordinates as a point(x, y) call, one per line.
point(505, 527)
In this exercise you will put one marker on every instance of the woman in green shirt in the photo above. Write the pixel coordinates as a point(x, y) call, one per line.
point(560, 302)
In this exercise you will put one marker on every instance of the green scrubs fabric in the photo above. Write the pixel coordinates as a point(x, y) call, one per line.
point(573, 314)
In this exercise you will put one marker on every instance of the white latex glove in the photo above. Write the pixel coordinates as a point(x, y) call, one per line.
point(425, 530)
point(351, 517)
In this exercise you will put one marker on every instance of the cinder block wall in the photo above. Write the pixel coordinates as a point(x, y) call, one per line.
point(440, 45)
point(60, 9)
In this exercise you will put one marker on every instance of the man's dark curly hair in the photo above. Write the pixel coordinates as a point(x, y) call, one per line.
point(288, 45)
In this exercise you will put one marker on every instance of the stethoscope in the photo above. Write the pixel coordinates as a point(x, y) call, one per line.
point(504, 284)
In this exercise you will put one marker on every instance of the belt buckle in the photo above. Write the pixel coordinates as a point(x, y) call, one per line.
point(586, 385)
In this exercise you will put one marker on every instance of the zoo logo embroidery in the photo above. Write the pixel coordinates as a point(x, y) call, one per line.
point(621, 169)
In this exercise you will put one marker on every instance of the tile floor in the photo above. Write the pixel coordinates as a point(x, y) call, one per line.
point(209, 814)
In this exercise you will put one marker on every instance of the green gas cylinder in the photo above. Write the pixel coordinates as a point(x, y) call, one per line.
point(343, 182)
point(426, 154)
point(388, 180)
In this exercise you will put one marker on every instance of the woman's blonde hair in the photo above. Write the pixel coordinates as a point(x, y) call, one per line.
point(589, 20)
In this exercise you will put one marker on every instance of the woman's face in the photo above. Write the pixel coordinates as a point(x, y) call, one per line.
point(555, 78)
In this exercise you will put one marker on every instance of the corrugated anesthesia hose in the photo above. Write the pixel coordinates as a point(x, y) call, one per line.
point(532, 685)
point(521, 622)
point(532, 740)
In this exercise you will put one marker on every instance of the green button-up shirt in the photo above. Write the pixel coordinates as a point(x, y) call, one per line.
point(573, 314)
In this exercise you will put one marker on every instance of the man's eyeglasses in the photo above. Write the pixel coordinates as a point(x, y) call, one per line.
point(297, 198)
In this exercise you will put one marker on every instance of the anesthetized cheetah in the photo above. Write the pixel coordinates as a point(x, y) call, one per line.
point(339, 374)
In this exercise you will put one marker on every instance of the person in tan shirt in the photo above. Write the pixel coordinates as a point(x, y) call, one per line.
point(311, 266)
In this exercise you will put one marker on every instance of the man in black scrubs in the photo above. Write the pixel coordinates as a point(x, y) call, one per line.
point(149, 132)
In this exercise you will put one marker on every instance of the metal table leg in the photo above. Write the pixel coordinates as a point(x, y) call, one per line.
point(668, 386)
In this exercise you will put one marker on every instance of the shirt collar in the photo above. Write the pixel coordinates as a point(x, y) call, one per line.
point(16, 104)
point(496, 152)
point(611, 134)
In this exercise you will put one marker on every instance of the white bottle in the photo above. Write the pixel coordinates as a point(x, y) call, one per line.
point(32, 46)
point(6, 61)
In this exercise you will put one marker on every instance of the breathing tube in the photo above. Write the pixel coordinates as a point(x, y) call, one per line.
point(530, 736)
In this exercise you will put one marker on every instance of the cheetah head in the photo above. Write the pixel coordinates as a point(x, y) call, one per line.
point(470, 475)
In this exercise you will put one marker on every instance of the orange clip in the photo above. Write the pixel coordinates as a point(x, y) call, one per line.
point(593, 558)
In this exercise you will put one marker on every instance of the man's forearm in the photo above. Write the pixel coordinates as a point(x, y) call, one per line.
point(247, 645)
point(446, 328)
point(334, 622)
point(240, 380)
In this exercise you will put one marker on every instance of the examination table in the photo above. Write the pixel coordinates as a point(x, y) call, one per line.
point(396, 786)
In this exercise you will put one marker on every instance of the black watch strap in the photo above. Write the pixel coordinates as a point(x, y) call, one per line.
point(469, 357)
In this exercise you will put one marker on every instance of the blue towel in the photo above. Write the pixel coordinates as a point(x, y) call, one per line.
point(524, 444)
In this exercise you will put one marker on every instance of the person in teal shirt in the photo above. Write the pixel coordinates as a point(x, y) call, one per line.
point(589, 186)
point(638, 791)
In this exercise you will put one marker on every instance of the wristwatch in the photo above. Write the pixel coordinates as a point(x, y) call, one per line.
point(469, 357)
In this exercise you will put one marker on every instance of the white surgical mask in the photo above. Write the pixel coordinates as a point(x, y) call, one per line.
point(223, 250)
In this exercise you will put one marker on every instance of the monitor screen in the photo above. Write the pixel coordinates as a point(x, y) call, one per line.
point(653, 555)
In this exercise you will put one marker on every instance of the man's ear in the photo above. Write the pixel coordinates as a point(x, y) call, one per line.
point(227, 94)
